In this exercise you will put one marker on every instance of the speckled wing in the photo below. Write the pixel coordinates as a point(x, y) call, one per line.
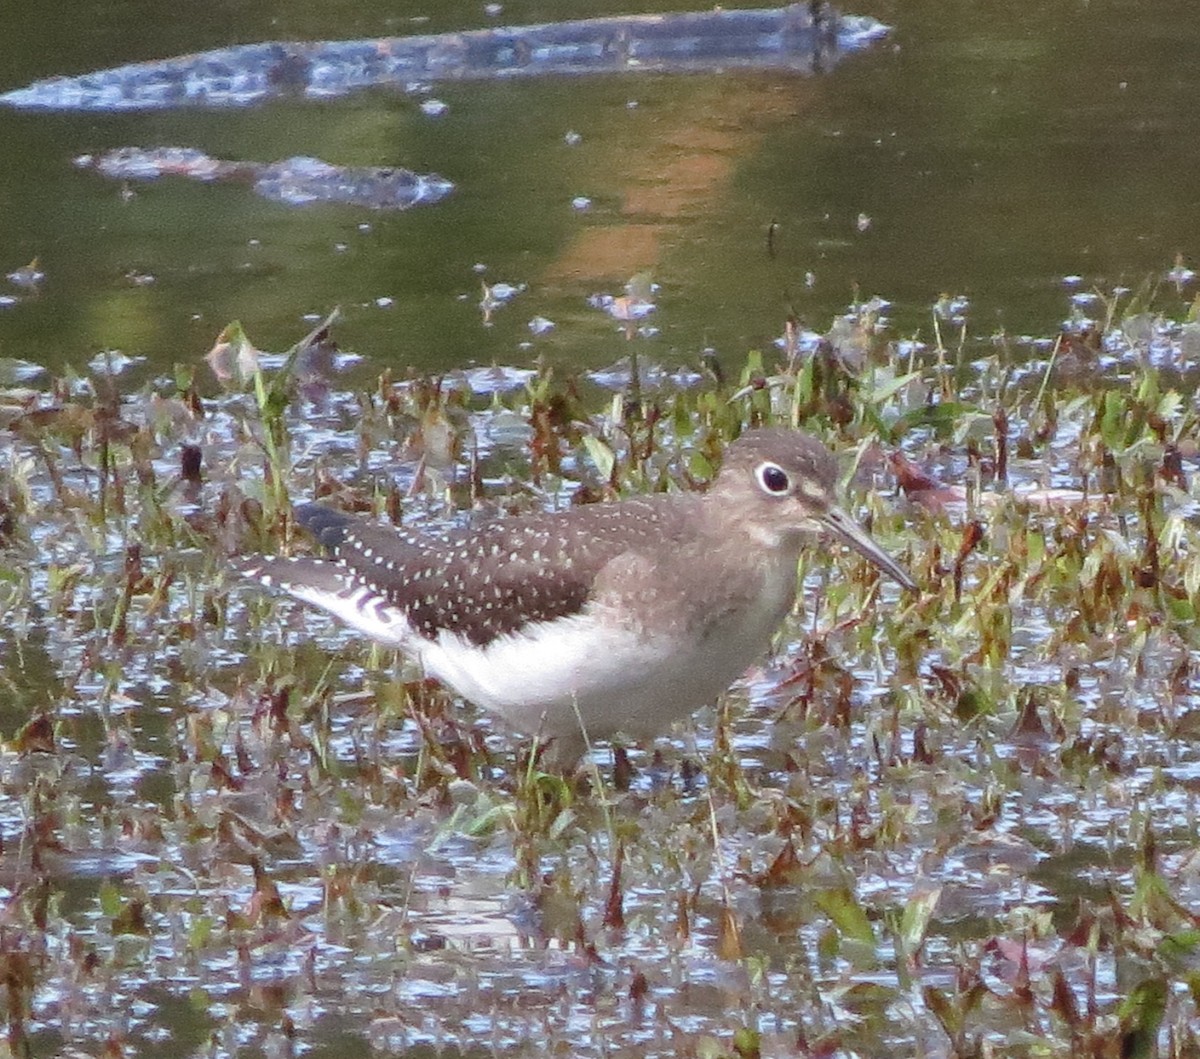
point(479, 583)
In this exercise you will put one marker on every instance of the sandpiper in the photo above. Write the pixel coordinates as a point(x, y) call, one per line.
point(600, 620)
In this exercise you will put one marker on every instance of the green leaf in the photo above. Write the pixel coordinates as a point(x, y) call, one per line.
point(1113, 415)
point(110, 899)
point(747, 1043)
point(918, 912)
point(888, 388)
point(200, 932)
point(840, 905)
point(1141, 1014)
point(942, 418)
point(602, 457)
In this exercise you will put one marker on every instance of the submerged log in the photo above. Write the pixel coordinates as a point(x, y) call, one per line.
point(802, 38)
point(297, 181)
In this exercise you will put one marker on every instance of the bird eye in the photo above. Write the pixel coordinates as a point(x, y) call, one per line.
point(773, 478)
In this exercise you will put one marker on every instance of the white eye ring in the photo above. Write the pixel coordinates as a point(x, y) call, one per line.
point(772, 479)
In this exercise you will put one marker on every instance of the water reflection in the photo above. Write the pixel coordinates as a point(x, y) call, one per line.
point(987, 168)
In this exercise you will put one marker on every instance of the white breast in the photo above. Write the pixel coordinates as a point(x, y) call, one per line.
point(608, 673)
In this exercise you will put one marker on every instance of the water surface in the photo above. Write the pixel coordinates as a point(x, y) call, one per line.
point(981, 151)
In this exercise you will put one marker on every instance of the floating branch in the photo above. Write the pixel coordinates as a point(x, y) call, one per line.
point(803, 38)
point(299, 181)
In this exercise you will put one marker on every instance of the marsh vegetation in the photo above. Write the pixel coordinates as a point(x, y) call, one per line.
point(961, 822)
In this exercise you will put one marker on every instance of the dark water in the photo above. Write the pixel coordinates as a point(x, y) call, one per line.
point(984, 150)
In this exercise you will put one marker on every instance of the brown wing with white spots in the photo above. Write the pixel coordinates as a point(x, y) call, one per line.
point(490, 580)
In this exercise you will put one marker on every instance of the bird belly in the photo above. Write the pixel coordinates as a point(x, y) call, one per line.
point(607, 676)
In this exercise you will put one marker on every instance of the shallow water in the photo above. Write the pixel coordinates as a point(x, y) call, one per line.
point(230, 837)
